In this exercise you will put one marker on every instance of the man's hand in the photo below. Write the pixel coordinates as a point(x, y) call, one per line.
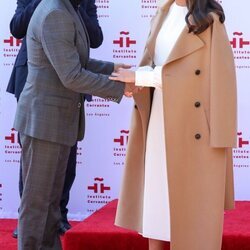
point(123, 75)
point(121, 65)
point(128, 77)
point(130, 89)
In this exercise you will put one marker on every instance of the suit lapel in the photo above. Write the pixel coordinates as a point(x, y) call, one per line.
point(186, 44)
point(80, 26)
point(84, 27)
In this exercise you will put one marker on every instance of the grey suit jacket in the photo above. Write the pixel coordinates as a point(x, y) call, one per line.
point(59, 70)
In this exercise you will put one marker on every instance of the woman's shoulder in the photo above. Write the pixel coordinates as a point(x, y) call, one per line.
point(215, 17)
point(218, 27)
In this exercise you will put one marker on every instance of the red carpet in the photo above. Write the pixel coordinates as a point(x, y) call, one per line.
point(98, 232)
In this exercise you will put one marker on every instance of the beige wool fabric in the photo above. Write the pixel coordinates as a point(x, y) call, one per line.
point(200, 114)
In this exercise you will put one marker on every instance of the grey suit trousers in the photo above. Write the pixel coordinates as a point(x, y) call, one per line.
point(44, 166)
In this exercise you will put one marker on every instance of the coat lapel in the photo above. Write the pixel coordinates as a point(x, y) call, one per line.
point(186, 44)
point(143, 98)
point(156, 26)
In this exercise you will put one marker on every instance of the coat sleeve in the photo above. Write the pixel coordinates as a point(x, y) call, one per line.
point(223, 94)
point(20, 21)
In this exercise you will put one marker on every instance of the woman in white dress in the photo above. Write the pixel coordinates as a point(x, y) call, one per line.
point(176, 20)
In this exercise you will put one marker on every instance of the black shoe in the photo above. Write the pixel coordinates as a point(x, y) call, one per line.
point(64, 227)
point(15, 233)
point(67, 225)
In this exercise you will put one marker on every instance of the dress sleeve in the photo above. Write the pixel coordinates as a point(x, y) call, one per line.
point(149, 77)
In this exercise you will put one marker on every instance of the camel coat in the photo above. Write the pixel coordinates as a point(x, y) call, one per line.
point(199, 98)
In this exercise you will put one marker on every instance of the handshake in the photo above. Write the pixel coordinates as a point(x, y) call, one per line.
point(122, 73)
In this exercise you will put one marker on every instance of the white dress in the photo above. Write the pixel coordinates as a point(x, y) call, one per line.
point(156, 217)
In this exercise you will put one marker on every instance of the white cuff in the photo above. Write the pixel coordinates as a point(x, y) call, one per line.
point(148, 77)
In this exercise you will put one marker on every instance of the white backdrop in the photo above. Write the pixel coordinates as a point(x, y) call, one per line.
point(101, 155)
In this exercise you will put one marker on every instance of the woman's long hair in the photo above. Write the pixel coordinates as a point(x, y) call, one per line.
point(199, 11)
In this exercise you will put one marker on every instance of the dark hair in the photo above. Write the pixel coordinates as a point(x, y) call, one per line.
point(199, 11)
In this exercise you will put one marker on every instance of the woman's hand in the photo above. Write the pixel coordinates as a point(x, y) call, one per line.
point(123, 75)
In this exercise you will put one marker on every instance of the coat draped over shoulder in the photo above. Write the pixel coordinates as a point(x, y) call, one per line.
point(200, 111)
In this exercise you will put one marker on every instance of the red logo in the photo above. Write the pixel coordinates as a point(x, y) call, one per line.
point(12, 41)
point(123, 140)
point(99, 186)
point(124, 40)
point(241, 141)
point(13, 138)
point(238, 41)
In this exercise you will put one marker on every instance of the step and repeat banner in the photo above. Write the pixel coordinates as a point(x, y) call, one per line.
point(100, 157)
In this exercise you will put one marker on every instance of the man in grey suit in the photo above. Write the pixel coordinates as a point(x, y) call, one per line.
point(50, 113)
